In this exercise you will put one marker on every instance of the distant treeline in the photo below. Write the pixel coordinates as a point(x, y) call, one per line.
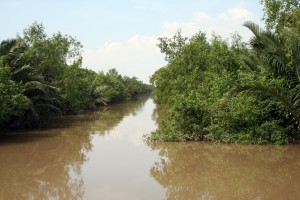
point(231, 91)
point(42, 77)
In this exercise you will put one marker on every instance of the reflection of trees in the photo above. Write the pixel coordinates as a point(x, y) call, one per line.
point(106, 118)
point(160, 113)
point(210, 171)
point(47, 164)
point(43, 167)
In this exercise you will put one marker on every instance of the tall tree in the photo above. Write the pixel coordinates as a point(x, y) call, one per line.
point(286, 67)
point(282, 16)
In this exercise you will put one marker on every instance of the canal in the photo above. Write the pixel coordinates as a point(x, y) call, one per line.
point(103, 155)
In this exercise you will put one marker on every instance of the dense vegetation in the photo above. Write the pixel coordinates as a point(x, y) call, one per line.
point(42, 77)
point(216, 90)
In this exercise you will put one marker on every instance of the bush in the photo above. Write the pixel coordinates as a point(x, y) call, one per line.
point(12, 101)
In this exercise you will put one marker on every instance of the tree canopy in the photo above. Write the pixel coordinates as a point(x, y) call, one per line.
point(239, 92)
point(42, 77)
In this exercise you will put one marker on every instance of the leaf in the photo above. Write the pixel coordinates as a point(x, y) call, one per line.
point(273, 92)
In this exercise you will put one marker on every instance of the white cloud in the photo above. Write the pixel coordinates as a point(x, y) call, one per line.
point(224, 23)
point(139, 56)
point(240, 13)
point(187, 28)
point(200, 16)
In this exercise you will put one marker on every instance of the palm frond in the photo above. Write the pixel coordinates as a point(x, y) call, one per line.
point(21, 73)
point(99, 97)
point(37, 77)
point(296, 57)
point(273, 92)
point(296, 49)
point(250, 62)
point(100, 89)
point(275, 61)
point(293, 78)
point(6, 46)
point(296, 100)
point(296, 96)
point(47, 100)
point(102, 101)
point(254, 28)
point(273, 39)
point(35, 88)
point(41, 88)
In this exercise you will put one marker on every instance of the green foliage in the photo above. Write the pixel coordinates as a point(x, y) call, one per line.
point(44, 98)
point(110, 86)
point(217, 91)
point(44, 78)
point(226, 92)
point(134, 87)
point(77, 89)
point(282, 16)
point(49, 55)
point(12, 101)
point(172, 47)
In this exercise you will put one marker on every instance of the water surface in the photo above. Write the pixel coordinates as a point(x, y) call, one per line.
point(102, 155)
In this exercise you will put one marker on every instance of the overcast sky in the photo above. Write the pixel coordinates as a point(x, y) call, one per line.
point(123, 34)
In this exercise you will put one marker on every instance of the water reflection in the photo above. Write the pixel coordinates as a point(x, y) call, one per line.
point(101, 155)
point(210, 171)
point(105, 118)
point(43, 168)
point(47, 164)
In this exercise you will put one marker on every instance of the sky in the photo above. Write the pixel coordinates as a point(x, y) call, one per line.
point(123, 34)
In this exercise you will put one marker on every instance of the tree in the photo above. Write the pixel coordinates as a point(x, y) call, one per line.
point(47, 76)
point(195, 86)
point(271, 47)
point(172, 47)
point(12, 101)
point(6, 46)
point(44, 98)
point(282, 16)
point(77, 88)
point(110, 86)
point(49, 55)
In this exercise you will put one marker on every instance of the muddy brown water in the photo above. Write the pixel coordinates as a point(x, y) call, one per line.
point(102, 155)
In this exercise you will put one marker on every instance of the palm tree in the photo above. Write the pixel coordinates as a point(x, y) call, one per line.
point(6, 46)
point(44, 98)
point(271, 49)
